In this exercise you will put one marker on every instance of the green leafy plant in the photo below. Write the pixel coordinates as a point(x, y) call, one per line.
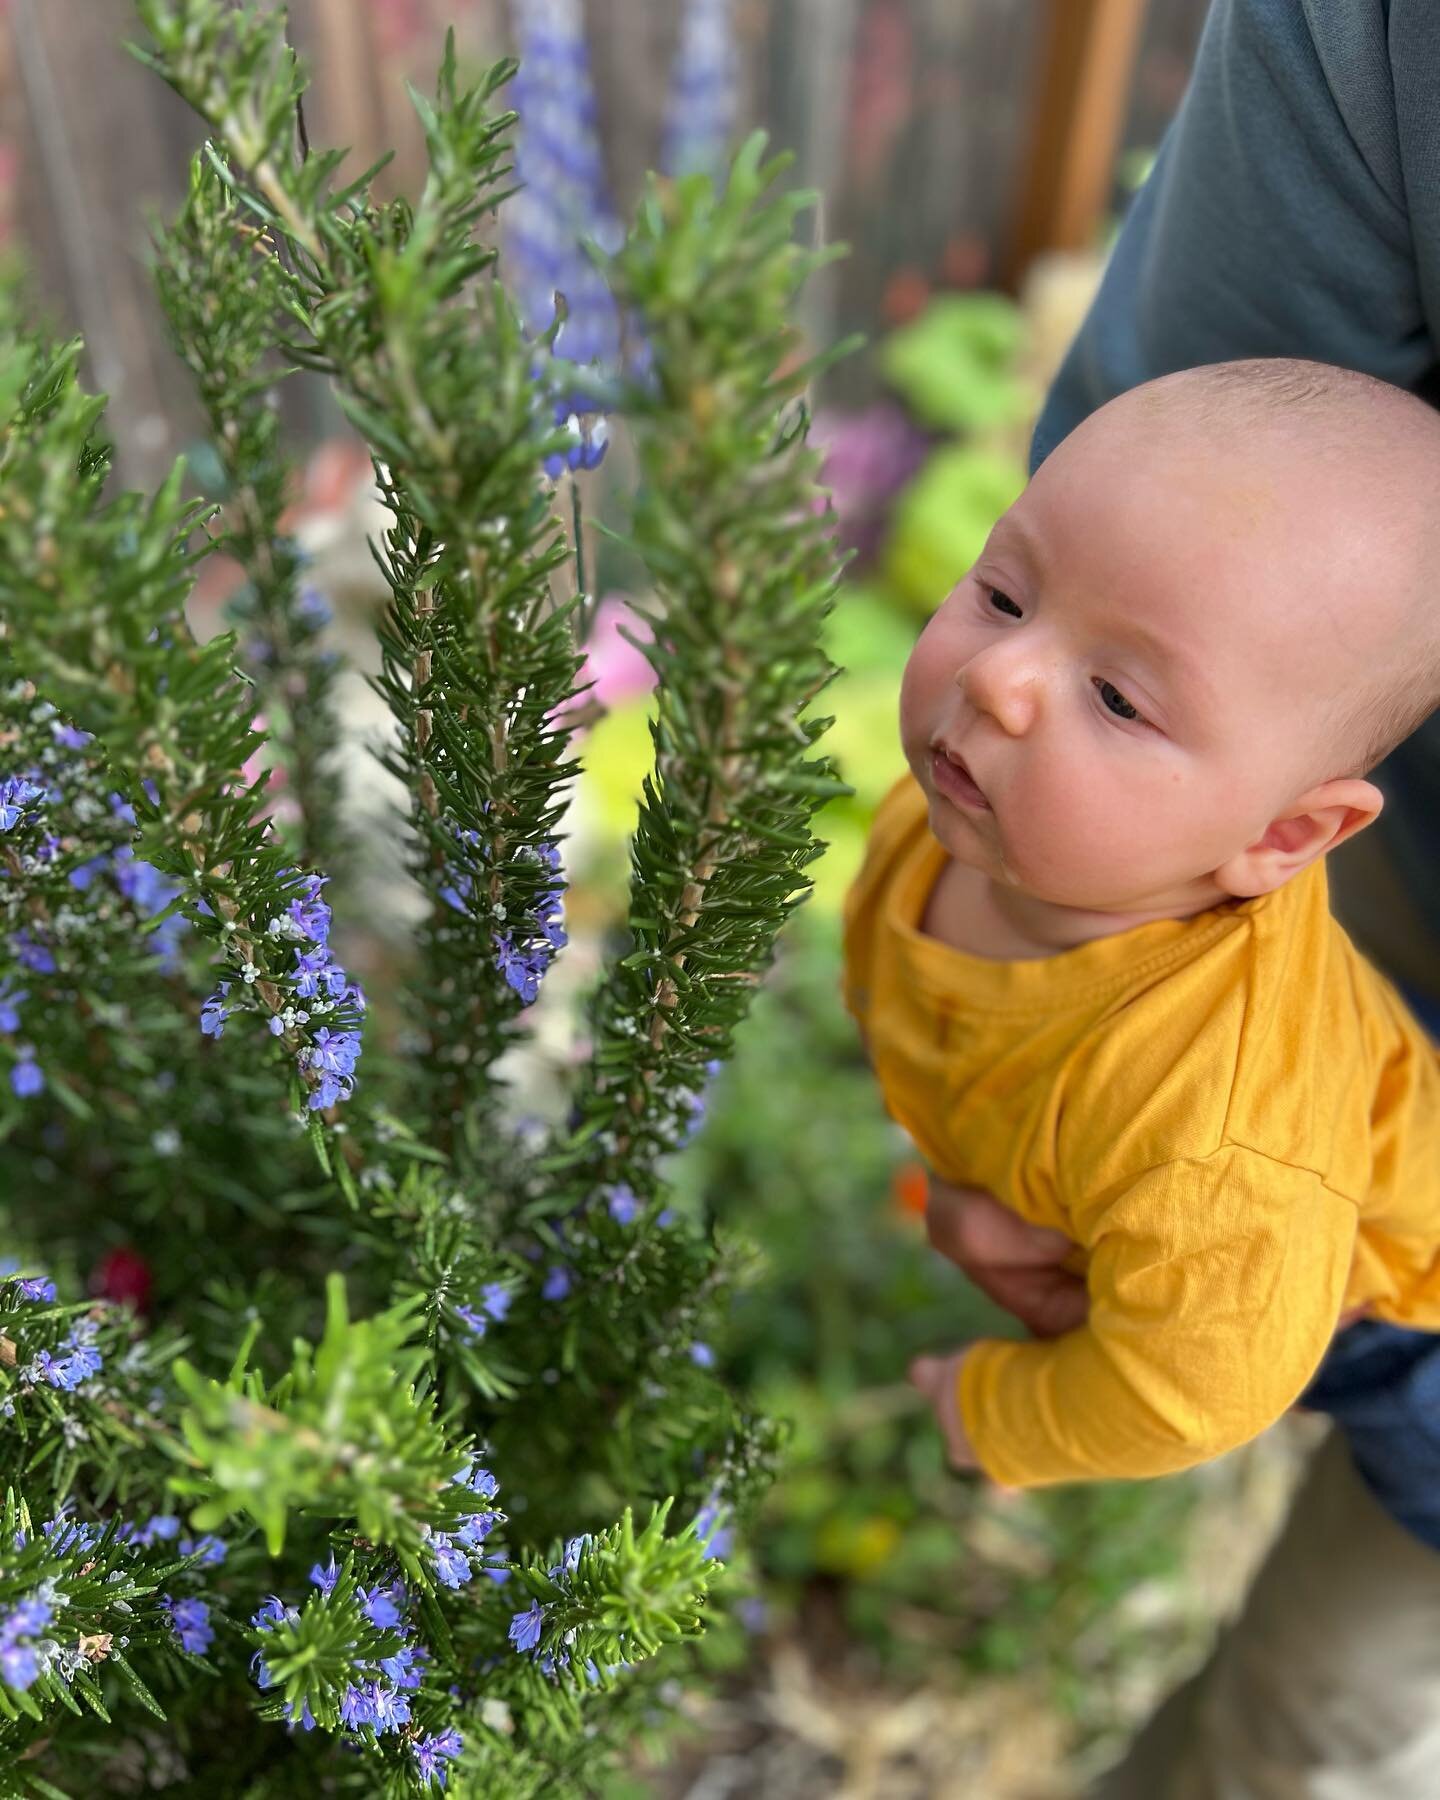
point(363, 1455)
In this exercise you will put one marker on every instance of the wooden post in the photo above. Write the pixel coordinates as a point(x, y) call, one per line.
point(1087, 55)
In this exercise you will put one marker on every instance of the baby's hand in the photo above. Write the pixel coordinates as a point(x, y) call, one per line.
point(937, 1378)
point(1018, 1266)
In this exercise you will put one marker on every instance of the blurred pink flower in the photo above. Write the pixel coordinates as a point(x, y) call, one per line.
point(278, 804)
point(618, 670)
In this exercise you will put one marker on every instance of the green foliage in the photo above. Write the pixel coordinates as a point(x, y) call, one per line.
point(942, 519)
point(939, 1578)
point(493, 1298)
point(955, 366)
point(343, 1434)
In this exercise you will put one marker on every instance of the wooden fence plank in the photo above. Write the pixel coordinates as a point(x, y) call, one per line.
point(1077, 116)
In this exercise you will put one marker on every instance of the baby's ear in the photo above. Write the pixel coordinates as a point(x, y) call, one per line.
point(1317, 823)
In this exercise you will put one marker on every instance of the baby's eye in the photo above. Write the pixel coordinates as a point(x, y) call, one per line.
point(1004, 604)
point(1114, 701)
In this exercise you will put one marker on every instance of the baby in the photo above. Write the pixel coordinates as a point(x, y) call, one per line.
point(1091, 950)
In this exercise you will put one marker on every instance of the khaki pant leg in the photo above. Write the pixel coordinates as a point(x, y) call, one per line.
point(1327, 1685)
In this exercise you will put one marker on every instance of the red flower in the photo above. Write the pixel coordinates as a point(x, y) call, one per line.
point(123, 1275)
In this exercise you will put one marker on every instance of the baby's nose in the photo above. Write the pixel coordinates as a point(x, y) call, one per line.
point(1004, 685)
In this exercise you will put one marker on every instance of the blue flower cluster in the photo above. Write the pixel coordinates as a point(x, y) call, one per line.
point(18, 795)
point(27, 812)
point(32, 1290)
point(24, 1649)
point(528, 1627)
point(700, 113)
point(190, 1621)
point(451, 1551)
point(523, 955)
point(717, 1537)
point(563, 198)
point(318, 988)
point(74, 1361)
point(495, 1300)
point(380, 1701)
point(25, 1655)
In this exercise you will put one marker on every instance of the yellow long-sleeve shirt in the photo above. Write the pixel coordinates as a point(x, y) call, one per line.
point(1234, 1116)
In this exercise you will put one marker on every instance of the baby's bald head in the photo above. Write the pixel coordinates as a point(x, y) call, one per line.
point(1368, 459)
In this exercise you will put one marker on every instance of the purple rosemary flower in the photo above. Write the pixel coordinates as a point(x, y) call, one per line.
point(10, 999)
point(525, 1627)
point(717, 1538)
point(452, 1566)
point(27, 1620)
point(522, 969)
point(26, 1076)
point(17, 797)
point(622, 1205)
point(431, 1753)
point(379, 1607)
point(215, 1012)
point(31, 954)
point(190, 1619)
point(325, 1575)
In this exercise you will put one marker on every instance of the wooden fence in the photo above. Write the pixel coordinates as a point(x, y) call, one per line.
point(948, 136)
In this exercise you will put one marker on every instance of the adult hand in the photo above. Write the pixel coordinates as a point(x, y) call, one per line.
point(1018, 1266)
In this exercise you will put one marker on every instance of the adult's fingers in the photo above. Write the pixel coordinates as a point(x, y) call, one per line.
point(1047, 1301)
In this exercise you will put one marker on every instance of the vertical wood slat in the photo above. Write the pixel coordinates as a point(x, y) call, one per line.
point(1078, 114)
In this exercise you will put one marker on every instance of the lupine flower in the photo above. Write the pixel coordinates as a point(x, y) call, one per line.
point(430, 1755)
point(700, 115)
point(563, 198)
point(525, 1627)
point(190, 1619)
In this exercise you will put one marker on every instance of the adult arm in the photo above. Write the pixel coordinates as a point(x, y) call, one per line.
point(1293, 210)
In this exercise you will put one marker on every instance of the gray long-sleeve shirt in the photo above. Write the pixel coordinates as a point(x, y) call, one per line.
point(1293, 210)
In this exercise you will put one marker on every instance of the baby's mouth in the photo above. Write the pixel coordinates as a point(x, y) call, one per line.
point(954, 780)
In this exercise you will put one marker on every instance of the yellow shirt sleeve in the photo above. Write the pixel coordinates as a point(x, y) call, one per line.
point(1215, 1284)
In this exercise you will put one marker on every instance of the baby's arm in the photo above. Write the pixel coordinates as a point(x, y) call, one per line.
point(1214, 1286)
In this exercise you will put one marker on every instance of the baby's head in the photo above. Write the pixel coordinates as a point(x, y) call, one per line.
point(1213, 610)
